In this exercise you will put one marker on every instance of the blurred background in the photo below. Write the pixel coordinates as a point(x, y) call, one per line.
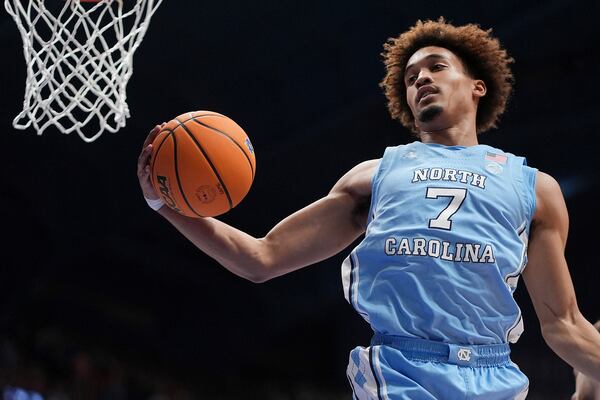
point(102, 299)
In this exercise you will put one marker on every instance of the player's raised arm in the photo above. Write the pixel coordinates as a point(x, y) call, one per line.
point(563, 326)
point(314, 233)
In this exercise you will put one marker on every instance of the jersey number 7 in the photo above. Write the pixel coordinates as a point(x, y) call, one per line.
point(443, 219)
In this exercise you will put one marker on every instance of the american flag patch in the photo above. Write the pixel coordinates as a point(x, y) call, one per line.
point(499, 158)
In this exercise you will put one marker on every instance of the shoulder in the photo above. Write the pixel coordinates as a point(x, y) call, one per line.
point(550, 203)
point(356, 186)
point(546, 185)
point(360, 176)
point(364, 168)
point(357, 181)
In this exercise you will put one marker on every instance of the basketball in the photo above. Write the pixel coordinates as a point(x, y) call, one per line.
point(202, 164)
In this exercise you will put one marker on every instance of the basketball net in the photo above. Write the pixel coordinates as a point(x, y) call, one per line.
point(79, 60)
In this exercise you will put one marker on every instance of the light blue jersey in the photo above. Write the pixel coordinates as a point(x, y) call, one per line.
point(445, 244)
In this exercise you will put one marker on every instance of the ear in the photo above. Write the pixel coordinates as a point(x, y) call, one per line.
point(479, 88)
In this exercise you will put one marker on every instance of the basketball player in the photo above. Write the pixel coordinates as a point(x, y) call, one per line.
point(586, 388)
point(449, 227)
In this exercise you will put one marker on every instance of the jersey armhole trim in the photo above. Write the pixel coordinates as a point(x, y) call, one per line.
point(529, 181)
point(375, 186)
point(533, 182)
point(524, 184)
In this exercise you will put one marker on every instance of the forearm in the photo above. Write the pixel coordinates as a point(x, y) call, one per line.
point(237, 251)
point(576, 341)
point(309, 235)
point(314, 233)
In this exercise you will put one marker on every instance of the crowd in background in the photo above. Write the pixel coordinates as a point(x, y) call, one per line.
point(48, 365)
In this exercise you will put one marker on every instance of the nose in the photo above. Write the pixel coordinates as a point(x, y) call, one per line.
point(423, 79)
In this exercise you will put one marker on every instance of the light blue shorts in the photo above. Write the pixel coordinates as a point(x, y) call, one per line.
point(395, 368)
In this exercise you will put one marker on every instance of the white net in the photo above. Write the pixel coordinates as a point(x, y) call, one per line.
point(79, 60)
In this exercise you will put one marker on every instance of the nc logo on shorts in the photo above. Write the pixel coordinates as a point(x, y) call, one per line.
point(464, 354)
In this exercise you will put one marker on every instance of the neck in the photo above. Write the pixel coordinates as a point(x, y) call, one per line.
point(464, 133)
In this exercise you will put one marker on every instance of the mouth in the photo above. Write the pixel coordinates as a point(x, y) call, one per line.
point(424, 92)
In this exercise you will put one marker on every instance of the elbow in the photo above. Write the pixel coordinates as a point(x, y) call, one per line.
point(258, 277)
point(556, 335)
point(262, 265)
point(262, 273)
point(550, 333)
point(561, 325)
point(258, 272)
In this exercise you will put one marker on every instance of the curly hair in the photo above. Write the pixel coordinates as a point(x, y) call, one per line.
point(480, 53)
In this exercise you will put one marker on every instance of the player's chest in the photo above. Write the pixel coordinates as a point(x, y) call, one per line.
point(416, 183)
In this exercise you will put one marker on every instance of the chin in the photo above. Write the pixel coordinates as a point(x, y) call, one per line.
point(429, 113)
point(429, 118)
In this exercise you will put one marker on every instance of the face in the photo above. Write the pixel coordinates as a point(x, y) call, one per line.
point(439, 91)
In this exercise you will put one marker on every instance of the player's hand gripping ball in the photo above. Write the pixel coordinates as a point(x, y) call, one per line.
point(202, 164)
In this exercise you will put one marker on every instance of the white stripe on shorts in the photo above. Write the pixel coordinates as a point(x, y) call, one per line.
point(361, 375)
point(377, 365)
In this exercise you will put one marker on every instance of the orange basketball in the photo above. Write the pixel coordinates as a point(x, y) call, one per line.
point(202, 164)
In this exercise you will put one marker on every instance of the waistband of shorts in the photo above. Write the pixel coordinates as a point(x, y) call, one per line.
point(458, 354)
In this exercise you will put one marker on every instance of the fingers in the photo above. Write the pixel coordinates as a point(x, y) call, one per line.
point(143, 167)
point(143, 172)
point(143, 164)
point(152, 135)
point(144, 157)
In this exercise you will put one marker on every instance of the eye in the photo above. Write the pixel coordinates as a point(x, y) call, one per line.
point(437, 67)
point(411, 79)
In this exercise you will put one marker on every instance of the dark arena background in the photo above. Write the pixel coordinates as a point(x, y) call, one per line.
point(103, 299)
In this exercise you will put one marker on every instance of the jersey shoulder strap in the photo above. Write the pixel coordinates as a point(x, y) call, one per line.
point(390, 155)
